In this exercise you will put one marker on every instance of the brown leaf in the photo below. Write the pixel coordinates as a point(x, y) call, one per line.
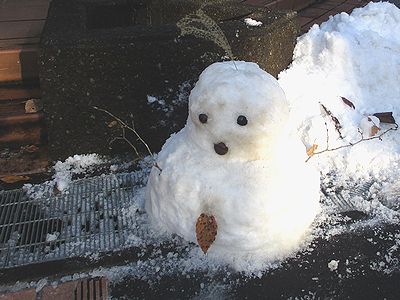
point(112, 124)
point(385, 117)
point(374, 130)
point(14, 178)
point(33, 106)
point(311, 150)
point(348, 102)
point(335, 120)
point(56, 191)
point(206, 231)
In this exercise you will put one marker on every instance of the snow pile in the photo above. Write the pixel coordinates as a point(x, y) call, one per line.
point(235, 160)
point(252, 22)
point(356, 57)
point(74, 165)
point(64, 173)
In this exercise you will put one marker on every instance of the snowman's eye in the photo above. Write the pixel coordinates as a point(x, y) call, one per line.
point(203, 118)
point(242, 120)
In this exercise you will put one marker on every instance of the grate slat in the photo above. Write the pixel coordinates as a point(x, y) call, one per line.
point(25, 223)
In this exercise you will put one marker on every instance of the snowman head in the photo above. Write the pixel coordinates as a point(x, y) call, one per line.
point(236, 113)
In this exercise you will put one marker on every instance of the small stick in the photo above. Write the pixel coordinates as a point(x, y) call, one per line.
point(355, 143)
point(125, 126)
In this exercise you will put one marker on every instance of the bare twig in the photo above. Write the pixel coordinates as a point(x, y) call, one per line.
point(327, 136)
point(335, 120)
point(123, 137)
point(355, 143)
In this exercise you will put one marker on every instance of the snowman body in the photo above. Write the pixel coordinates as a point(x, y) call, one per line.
point(236, 160)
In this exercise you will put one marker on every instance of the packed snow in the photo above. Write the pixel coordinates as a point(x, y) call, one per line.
point(343, 73)
point(333, 265)
point(356, 57)
point(73, 165)
point(252, 22)
point(234, 160)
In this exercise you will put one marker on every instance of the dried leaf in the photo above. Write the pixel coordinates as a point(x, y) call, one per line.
point(33, 106)
point(348, 102)
point(385, 117)
point(14, 178)
point(206, 231)
point(112, 124)
point(56, 191)
point(311, 150)
point(338, 126)
point(374, 130)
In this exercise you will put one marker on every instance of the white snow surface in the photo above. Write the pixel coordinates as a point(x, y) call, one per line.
point(253, 190)
point(73, 165)
point(354, 56)
point(333, 265)
point(252, 22)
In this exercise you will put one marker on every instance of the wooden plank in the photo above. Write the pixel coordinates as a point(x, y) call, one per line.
point(23, 12)
point(11, 120)
point(18, 136)
point(24, 163)
point(13, 43)
point(19, 93)
point(18, 64)
point(21, 29)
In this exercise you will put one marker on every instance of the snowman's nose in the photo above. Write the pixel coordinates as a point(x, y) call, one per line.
point(221, 148)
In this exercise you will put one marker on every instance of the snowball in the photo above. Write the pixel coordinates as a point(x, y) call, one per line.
point(333, 265)
point(235, 160)
point(51, 237)
point(76, 164)
point(251, 22)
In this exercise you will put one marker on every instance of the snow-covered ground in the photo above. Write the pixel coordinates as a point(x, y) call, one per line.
point(353, 56)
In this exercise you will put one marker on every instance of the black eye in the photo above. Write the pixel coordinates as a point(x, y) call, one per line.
point(242, 120)
point(203, 118)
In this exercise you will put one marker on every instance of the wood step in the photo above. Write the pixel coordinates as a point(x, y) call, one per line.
point(18, 136)
point(19, 64)
point(13, 99)
point(26, 160)
point(19, 93)
point(16, 118)
point(19, 128)
point(21, 22)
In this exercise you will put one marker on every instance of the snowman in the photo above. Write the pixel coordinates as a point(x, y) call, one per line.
point(235, 165)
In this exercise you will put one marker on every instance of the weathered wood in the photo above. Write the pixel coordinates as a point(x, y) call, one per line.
point(19, 42)
point(18, 64)
point(21, 29)
point(19, 93)
point(18, 12)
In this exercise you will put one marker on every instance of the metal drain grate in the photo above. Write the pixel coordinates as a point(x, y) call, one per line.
point(87, 219)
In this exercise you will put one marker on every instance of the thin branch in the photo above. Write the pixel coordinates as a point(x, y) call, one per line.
point(355, 143)
point(327, 136)
point(124, 127)
point(123, 137)
point(335, 120)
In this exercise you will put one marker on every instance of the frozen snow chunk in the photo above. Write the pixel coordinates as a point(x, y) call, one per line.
point(252, 22)
point(333, 265)
point(51, 237)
